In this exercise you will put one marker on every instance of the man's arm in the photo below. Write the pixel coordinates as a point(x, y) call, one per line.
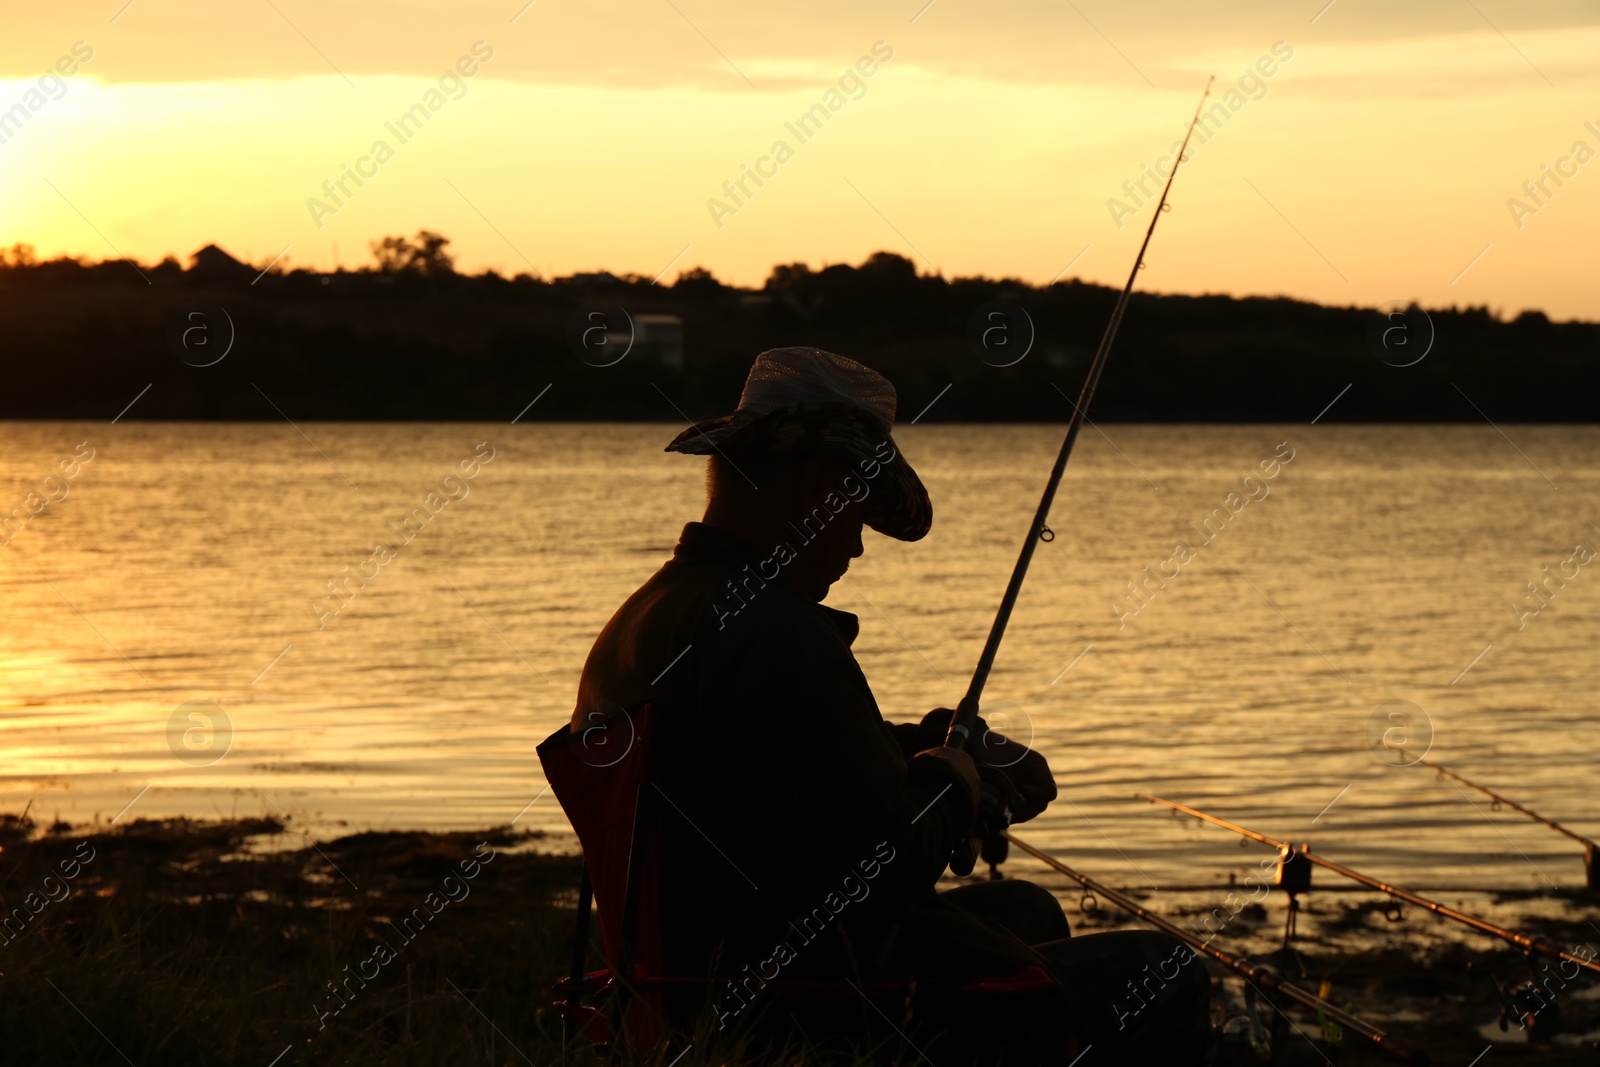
point(830, 780)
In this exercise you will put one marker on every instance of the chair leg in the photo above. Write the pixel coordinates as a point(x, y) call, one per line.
point(580, 937)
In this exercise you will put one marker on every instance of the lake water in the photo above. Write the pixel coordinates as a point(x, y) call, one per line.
point(185, 567)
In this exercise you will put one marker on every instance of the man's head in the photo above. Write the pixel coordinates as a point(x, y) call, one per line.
point(814, 504)
point(818, 426)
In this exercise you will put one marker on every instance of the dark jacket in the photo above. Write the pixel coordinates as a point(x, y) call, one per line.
point(789, 812)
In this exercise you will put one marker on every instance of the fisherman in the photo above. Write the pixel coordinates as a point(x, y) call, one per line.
point(799, 836)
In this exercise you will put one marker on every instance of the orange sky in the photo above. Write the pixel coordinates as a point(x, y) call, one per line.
point(1377, 160)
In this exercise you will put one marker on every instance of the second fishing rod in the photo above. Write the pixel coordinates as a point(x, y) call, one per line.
point(1531, 945)
point(966, 712)
point(1591, 849)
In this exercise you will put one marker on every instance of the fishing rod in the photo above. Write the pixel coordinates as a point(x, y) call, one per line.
point(1530, 945)
point(966, 712)
point(1591, 868)
point(1257, 975)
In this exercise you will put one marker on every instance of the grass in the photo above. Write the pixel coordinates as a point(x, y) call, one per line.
point(223, 943)
point(177, 944)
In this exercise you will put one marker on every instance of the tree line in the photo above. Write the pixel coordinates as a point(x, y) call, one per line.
point(411, 338)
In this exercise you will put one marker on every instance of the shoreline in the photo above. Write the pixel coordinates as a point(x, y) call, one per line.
point(368, 948)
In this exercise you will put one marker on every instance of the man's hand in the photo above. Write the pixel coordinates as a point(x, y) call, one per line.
point(1018, 770)
point(960, 767)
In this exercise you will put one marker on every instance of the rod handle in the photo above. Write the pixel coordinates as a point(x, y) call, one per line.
point(962, 723)
point(964, 857)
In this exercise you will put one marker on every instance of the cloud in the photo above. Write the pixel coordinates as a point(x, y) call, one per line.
point(694, 43)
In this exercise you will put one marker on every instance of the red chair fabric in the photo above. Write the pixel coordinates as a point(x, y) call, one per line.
point(599, 775)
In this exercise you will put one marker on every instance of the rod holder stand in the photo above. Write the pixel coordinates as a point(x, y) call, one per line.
point(1294, 870)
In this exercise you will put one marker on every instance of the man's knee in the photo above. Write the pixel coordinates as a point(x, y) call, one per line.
point(1039, 914)
point(1029, 911)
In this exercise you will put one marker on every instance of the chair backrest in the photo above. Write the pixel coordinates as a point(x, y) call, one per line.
point(600, 775)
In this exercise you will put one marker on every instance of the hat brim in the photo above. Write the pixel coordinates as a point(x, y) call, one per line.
point(896, 501)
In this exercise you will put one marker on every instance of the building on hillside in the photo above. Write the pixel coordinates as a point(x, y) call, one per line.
point(660, 336)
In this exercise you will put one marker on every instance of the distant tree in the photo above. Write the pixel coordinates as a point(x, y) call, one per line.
point(890, 267)
point(20, 255)
point(697, 281)
point(424, 254)
point(845, 295)
point(392, 253)
point(788, 277)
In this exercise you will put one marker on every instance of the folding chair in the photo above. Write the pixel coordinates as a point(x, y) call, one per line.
point(601, 776)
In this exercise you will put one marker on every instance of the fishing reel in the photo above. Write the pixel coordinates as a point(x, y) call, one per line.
point(1532, 1005)
point(988, 841)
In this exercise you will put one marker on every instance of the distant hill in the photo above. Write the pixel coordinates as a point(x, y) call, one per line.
point(414, 340)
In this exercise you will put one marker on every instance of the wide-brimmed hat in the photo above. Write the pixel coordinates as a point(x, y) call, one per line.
point(805, 401)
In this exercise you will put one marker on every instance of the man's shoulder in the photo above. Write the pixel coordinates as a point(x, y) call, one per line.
point(698, 622)
point(744, 610)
